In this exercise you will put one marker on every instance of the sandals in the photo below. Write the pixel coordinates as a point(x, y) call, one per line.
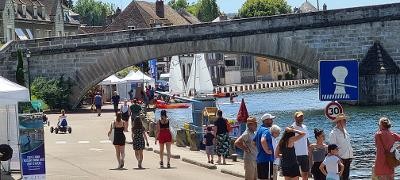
point(168, 165)
point(161, 164)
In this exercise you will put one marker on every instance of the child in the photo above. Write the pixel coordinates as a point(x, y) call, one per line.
point(209, 142)
point(331, 163)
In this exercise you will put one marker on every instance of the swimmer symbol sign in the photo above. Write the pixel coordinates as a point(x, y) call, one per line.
point(338, 80)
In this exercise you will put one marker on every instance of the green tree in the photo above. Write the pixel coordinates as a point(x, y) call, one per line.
point(207, 10)
point(93, 12)
point(54, 92)
point(178, 4)
point(20, 75)
point(193, 9)
point(254, 8)
point(124, 72)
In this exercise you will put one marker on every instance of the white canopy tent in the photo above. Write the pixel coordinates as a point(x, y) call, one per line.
point(109, 85)
point(10, 95)
point(111, 80)
point(133, 77)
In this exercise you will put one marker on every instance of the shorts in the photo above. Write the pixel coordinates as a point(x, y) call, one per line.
point(265, 170)
point(303, 163)
point(291, 171)
point(210, 150)
point(98, 107)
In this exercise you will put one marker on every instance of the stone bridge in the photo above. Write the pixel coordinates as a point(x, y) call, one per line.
point(300, 40)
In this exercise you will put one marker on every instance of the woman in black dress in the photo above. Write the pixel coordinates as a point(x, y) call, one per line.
point(119, 139)
point(286, 151)
point(139, 137)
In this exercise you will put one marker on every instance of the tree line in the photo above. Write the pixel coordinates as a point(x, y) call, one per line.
point(95, 12)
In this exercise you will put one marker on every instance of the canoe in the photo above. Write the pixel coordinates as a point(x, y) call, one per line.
point(173, 106)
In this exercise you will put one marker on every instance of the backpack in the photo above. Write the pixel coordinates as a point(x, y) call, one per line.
point(64, 122)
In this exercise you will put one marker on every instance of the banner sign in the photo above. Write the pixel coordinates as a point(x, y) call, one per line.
point(153, 68)
point(31, 140)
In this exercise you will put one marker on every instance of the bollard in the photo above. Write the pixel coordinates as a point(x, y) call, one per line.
point(181, 140)
point(194, 144)
point(234, 157)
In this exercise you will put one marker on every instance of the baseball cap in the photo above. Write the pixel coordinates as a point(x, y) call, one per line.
point(298, 114)
point(267, 116)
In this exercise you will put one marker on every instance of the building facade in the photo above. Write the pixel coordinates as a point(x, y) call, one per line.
point(30, 19)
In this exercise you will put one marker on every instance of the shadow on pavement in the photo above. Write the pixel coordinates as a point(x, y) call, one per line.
point(118, 169)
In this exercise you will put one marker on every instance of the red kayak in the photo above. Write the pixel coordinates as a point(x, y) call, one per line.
point(172, 106)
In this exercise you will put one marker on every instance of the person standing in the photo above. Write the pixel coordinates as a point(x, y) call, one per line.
point(329, 167)
point(119, 139)
point(286, 151)
point(125, 112)
point(223, 141)
point(139, 138)
point(384, 141)
point(164, 136)
point(318, 152)
point(301, 146)
point(265, 155)
point(245, 142)
point(115, 101)
point(135, 109)
point(275, 132)
point(341, 138)
point(98, 102)
point(209, 142)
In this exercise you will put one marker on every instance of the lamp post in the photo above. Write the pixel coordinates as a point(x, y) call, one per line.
point(28, 55)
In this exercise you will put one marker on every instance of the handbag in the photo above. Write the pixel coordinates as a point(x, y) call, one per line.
point(228, 126)
point(111, 136)
point(390, 157)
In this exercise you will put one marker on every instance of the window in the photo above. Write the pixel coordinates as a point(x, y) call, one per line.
point(29, 32)
point(43, 12)
point(24, 10)
point(8, 12)
point(66, 34)
point(20, 33)
point(35, 14)
point(48, 33)
point(222, 72)
point(10, 34)
point(230, 63)
point(215, 72)
point(246, 62)
point(38, 35)
point(59, 34)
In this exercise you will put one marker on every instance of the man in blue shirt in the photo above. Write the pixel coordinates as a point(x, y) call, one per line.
point(265, 156)
point(98, 102)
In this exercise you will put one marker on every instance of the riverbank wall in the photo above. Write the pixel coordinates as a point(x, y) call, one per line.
point(242, 88)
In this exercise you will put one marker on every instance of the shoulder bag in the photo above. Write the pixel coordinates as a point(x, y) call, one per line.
point(390, 157)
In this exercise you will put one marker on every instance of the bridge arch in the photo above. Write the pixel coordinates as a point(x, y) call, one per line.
point(106, 62)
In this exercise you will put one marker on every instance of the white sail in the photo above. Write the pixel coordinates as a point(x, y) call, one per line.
point(176, 81)
point(200, 79)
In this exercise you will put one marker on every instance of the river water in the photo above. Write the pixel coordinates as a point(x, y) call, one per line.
point(362, 122)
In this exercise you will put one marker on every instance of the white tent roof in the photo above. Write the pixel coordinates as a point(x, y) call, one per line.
point(137, 76)
point(111, 80)
point(12, 93)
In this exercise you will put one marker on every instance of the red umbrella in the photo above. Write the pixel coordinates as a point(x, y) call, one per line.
point(242, 114)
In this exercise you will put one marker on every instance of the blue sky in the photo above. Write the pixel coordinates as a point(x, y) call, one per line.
point(232, 6)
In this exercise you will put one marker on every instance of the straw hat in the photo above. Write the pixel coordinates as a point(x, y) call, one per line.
point(251, 120)
point(340, 117)
point(298, 114)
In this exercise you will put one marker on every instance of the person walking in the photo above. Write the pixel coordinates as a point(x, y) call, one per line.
point(139, 138)
point(245, 142)
point(265, 155)
point(119, 139)
point(164, 136)
point(318, 153)
point(384, 141)
point(125, 112)
point(98, 102)
point(223, 141)
point(286, 151)
point(135, 109)
point(329, 167)
point(209, 142)
point(341, 138)
point(275, 132)
point(115, 101)
point(301, 146)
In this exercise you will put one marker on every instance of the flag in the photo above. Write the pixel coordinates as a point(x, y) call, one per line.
point(243, 113)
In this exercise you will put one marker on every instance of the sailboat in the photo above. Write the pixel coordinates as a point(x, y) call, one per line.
point(176, 81)
point(199, 82)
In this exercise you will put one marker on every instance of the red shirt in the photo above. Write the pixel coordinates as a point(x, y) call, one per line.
point(388, 138)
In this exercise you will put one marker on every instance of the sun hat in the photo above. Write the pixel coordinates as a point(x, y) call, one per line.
point(251, 120)
point(298, 114)
point(340, 117)
point(267, 116)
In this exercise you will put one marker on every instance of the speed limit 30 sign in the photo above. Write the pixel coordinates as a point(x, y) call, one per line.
point(332, 110)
